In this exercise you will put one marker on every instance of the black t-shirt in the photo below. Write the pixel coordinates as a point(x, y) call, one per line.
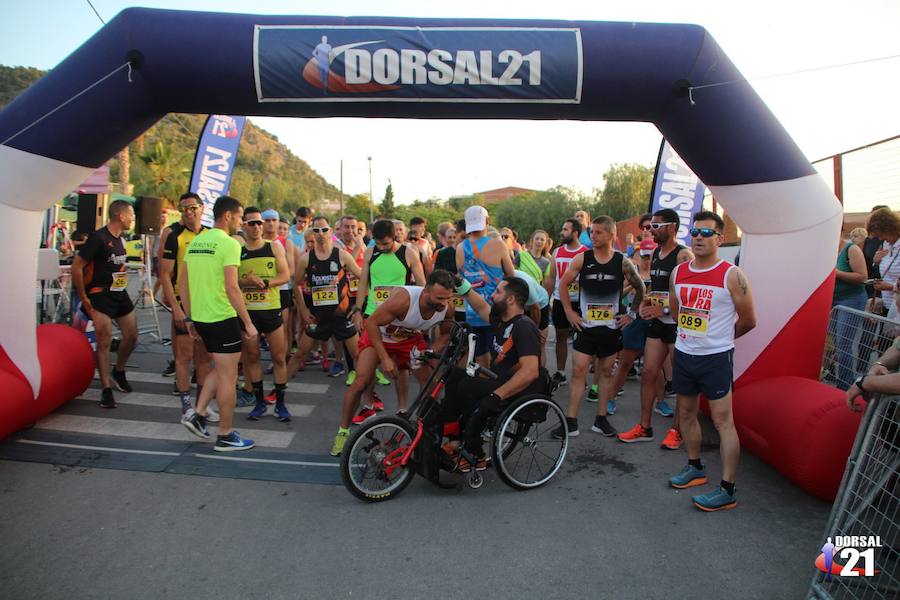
point(104, 254)
point(513, 339)
point(446, 259)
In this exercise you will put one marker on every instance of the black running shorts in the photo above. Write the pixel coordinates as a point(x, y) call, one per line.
point(266, 321)
point(662, 331)
point(221, 337)
point(334, 326)
point(559, 314)
point(112, 304)
point(598, 341)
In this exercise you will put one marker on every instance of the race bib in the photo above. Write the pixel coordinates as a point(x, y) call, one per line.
point(573, 289)
point(119, 282)
point(459, 305)
point(660, 299)
point(325, 295)
point(258, 299)
point(380, 294)
point(601, 314)
point(693, 321)
point(354, 284)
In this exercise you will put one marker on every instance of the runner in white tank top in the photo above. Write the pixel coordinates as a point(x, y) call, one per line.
point(713, 304)
point(399, 331)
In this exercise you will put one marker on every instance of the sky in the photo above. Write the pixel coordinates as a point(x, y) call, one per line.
point(826, 111)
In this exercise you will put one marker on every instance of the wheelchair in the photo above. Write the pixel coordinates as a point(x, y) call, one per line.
point(381, 457)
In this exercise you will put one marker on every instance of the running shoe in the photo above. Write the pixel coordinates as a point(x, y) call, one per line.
point(282, 413)
point(270, 369)
point(196, 424)
point(339, 440)
point(366, 412)
point(313, 359)
point(271, 398)
point(169, 370)
point(326, 365)
point(611, 407)
point(638, 433)
point(380, 379)
point(258, 411)
point(212, 415)
point(245, 398)
point(264, 344)
point(336, 370)
point(571, 426)
point(377, 403)
point(593, 395)
point(232, 442)
point(120, 381)
point(718, 499)
point(560, 377)
point(662, 408)
point(669, 392)
point(620, 392)
point(601, 425)
point(481, 464)
point(672, 441)
point(107, 400)
point(632, 372)
point(351, 377)
point(175, 390)
point(688, 477)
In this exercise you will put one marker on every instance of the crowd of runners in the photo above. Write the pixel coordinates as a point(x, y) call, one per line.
point(359, 300)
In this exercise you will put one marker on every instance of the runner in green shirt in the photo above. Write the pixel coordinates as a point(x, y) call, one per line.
point(216, 313)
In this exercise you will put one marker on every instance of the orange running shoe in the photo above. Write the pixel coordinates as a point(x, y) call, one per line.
point(638, 433)
point(672, 440)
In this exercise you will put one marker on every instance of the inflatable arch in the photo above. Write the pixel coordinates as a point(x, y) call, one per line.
point(146, 63)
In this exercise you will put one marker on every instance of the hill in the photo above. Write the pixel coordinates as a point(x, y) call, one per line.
point(267, 173)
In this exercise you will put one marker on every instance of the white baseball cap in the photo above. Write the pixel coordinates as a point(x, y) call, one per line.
point(476, 218)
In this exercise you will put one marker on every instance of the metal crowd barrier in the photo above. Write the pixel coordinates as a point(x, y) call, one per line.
point(868, 504)
point(855, 340)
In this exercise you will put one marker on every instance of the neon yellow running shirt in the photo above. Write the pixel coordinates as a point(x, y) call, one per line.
point(206, 259)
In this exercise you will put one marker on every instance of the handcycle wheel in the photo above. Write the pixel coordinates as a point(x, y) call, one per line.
point(370, 462)
point(523, 449)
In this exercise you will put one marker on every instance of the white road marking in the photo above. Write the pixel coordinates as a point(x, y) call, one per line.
point(174, 402)
point(294, 386)
point(273, 461)
point(99, 448)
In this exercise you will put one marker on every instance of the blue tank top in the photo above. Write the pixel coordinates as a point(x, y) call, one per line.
point(475, 271)
point(296, 238)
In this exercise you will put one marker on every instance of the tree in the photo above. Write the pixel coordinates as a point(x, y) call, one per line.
point(168, 174)
point(542, 210)
point(387, 205)
point(359, 206)
point(626, 192)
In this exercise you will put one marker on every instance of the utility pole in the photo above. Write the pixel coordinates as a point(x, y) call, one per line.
point(371, 197)
point(342, 187)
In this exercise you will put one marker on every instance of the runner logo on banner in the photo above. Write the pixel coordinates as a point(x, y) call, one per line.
point(675, 186)
point(214, 162)
point(320, 63)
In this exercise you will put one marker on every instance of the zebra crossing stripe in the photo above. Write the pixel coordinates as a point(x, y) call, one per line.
point(173, 402)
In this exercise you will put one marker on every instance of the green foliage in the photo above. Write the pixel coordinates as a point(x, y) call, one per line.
point(359, 206)
point(387, 205)
point(626, 192)
point(542, 210)
point(266, 172)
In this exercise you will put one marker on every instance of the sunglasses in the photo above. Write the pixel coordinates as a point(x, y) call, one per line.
point(254, 223)
point(505, 237)
point(190, 208)
point(658, 225)
point(704, 231)
point(321, 229)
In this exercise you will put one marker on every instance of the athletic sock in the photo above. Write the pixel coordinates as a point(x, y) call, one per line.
point(649, 431)
point(695, 462)
point(728, 487)
point(186, 401)
point(258, 390)
point(279, 392)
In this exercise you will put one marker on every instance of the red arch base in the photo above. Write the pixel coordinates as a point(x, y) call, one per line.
point(67, 366)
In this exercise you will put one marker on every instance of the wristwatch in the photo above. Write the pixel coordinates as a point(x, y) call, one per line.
point(859, 383)
point(632, 315)
point(667, 310)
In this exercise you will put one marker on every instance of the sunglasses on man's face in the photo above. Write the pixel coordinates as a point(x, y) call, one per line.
point(646, 226)
point(254, 223)
point(321, 229)
point(190, 208)
point(505, 237)
point(658, 225)
point(704, 231)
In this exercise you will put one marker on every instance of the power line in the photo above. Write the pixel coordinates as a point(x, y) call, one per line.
point(95, 11)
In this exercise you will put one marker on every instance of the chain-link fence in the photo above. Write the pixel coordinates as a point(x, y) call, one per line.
point(855, 340)
point(868, 504)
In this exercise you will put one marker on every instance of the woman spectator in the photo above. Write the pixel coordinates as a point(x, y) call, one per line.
point(849, 291)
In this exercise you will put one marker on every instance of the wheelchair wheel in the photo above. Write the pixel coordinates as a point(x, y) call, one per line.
point(523, 449)
point(370, 462)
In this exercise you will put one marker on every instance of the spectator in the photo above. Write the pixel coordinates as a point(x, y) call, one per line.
point(850, 292)
point(881, 378)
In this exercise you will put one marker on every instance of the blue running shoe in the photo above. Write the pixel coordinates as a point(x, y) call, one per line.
point(611, 407)
point(688, 477)
point(336, 370)
point(258, 411)
point(245, 398)
point(663, 408)
point(232, 442)
point(718, 499)
point(282, 412)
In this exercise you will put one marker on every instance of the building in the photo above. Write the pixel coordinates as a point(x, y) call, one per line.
point(501, 194)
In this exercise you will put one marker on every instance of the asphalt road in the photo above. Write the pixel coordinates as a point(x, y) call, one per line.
point(82, 523)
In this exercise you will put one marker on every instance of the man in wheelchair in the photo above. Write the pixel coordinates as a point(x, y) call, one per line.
point(515, 359)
